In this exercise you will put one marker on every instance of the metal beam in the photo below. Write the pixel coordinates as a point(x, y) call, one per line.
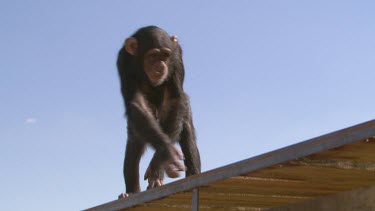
point(321, 143)
point(195, 200)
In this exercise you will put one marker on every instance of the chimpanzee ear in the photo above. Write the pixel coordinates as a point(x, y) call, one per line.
point(131, 45)
point(174, 38)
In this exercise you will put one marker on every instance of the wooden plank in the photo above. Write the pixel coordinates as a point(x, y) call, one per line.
point(362, 199)
point(307, 182)
point(180, 201)
point(328, 172)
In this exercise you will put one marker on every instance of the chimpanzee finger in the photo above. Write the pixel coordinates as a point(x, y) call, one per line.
point(179, 166)
point(152, 183)
point(123, 195)
point(172, 173)
point(173, 169)
point(181, 155)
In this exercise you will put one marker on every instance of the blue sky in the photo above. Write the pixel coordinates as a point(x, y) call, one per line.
point(260, 74)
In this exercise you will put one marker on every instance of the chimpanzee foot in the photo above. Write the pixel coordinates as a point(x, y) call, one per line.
point(154, 177)
point(152, 183)
point(123, 195)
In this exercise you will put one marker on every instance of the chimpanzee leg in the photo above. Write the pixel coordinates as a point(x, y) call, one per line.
point(154, 174)
point(189, 148)
point(133, 154)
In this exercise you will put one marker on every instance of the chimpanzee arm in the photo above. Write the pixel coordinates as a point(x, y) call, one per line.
point(133, 154)
point(145, 124)
point(146, 127)
point(189, 146)
point(179, 124)
point(172, 125)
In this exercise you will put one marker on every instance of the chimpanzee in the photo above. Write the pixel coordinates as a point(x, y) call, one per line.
point(158, 111)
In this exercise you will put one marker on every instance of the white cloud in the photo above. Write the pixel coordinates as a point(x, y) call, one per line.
point(30, 120)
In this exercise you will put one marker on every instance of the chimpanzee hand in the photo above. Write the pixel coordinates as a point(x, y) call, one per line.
point(172, 157)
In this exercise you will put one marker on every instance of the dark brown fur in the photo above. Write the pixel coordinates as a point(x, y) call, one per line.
point(158, 115)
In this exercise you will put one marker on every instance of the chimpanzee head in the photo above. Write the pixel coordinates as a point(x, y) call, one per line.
point(153, 48)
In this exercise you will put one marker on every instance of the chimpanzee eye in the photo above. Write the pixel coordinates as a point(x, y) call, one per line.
point(165, 54)
point(153, 56)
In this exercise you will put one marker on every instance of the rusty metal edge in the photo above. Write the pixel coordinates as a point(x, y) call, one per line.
point(308, 147)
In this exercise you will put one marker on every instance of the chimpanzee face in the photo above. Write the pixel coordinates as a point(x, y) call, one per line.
point(155, 64)
point(156, 59)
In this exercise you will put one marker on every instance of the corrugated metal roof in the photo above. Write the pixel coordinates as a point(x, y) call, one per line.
point(329, 164)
